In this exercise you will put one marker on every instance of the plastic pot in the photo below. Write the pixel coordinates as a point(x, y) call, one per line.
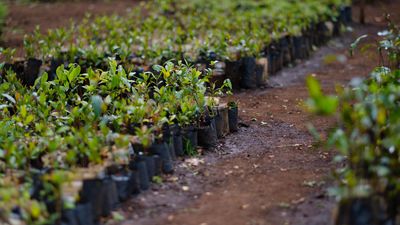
point(166, 132)
point(168, 137)
point(222, 121)
point(285, 51)
point(298, 45)
point(161, 149)
point(308, 38)
point(68, 217)
point(150, 165)
point(109, 191)
point(54, 64)
point(125, 184)
point(233, 115)
point(189, 137)
point(349, 14)
point(92, 193)
point(271, 69)
point(31, 72)
point(362, 211)
point(9, 66)
point(232, 72)
point(157, 164)
point(247, 70)
point(171, 148)
point(135, 181)
point(323, 33)
point(178, 145)
point(336, 28)
point(141, 169)
point(83, 213)
point(262, 71)
point(311, 36)
point(279, 61)
point(346, 14)
point(272, 53)
point(207, 134)
point(292, 51)
point(177, 140)
point(19, 68)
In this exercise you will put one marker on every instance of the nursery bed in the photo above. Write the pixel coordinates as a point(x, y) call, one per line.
point(272, 142)
point(23, 18)
point(270, 172)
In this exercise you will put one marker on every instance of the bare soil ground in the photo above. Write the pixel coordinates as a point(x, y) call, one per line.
point(23, 18)
point(269, 173)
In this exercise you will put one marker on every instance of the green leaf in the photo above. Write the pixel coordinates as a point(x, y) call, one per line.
point(60, 73)
point(62, 129)
point(9, 98)
point(23, 111)
point(313, 87)
point(318, 102)
point(97, 103)
point(74, 73)
point(35, 209)
point(354, 45)
point(157, 68)
point(29, 119)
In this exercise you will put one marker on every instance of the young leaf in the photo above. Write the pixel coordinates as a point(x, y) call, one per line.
point(319, 103)
point(74, 73)
point(9, 98)
point(97, 103)
point(355, 44)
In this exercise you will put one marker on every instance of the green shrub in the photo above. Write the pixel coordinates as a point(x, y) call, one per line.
point(3, 14)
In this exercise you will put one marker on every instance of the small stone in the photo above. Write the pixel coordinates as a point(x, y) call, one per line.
point(185, 188)
point(245, 206)
point(298, 201)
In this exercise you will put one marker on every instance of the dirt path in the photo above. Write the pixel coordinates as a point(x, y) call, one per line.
point(270, 172)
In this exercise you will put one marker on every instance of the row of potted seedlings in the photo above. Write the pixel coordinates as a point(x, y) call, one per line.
point(367, 138)
point(250, 72)
point(201, 35)
point(60, 122)
point(66, 141)
point(101, 195)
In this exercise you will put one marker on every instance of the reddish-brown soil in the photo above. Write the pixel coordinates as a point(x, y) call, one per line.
point(23, 18)
point(269, 173)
